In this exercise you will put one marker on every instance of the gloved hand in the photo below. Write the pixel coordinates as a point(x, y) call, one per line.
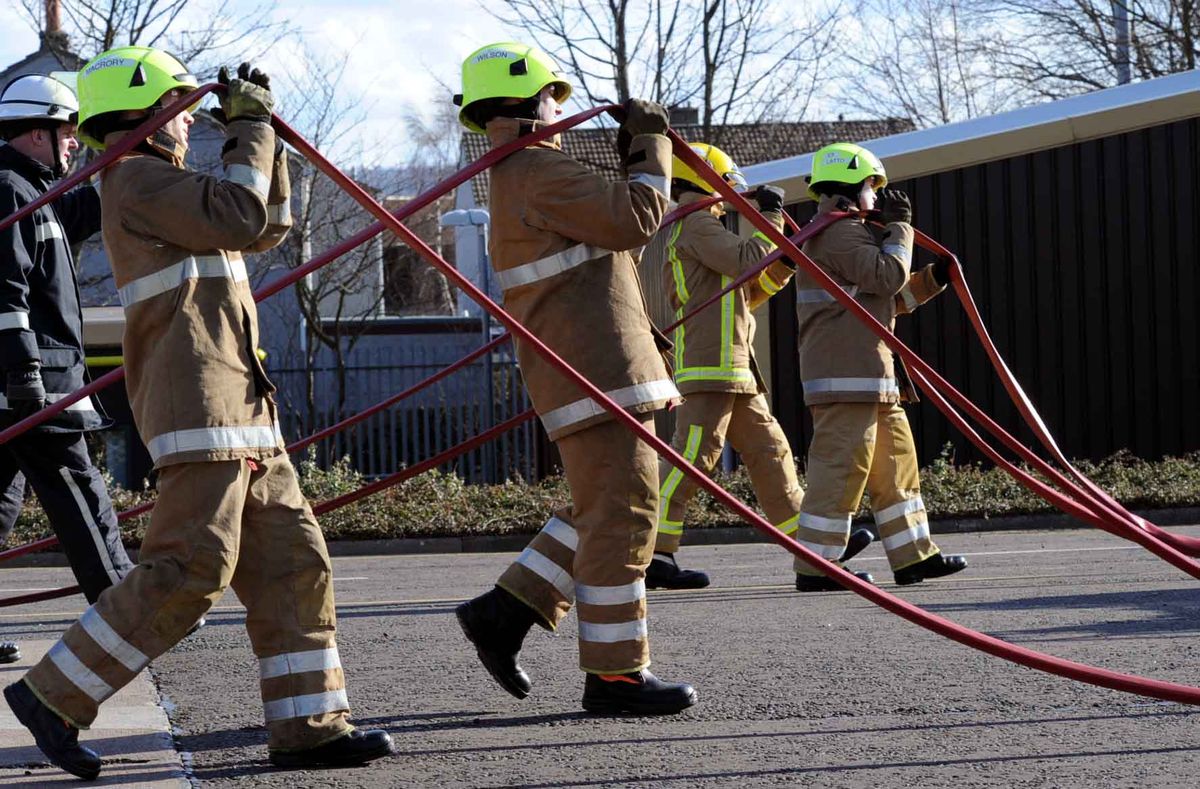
point(769, 198)
point(641, 117)
point(894, 206)
point(25, 392)
point(247, 97)
point(941, 271)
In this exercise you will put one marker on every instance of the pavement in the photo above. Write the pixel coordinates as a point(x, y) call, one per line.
point(820, 690)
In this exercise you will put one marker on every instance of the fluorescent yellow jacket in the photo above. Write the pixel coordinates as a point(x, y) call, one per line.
point(714, 350)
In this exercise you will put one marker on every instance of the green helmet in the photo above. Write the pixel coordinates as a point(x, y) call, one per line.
point(124, 79)
point(506, 71)
point(845, 163)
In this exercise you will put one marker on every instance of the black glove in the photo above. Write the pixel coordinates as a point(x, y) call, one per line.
point(641, 117)
point(894, 206)
point(247, 97)
point(941, 271)
point(25, 392)
point(769, 198)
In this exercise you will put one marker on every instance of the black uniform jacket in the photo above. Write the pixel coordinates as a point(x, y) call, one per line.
point(40, 317)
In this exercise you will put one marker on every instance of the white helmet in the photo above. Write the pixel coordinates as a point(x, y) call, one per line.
point(33, 97)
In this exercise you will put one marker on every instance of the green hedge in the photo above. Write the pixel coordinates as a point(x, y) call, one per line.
point(439, 505)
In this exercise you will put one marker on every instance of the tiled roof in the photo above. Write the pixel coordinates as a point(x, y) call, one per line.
point(747, 143)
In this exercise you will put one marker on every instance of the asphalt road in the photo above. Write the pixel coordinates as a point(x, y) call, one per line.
point(820, 690)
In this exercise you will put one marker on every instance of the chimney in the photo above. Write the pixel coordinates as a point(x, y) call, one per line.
point(684, 116)
point(53, 17)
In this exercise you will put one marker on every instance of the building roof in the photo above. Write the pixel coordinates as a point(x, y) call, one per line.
point(1090, 116)
point(53, 55)
point(747, 143)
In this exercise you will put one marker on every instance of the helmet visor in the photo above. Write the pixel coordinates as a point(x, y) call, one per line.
point(736, 180)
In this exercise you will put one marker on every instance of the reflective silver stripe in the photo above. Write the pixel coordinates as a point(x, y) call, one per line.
point(279, 214)
point(822, 296)
point(610, 634)
point(305, 706)
point(80, 675)
point(896, 510)
point(880, 385)
point(205, 266)
point(830, 552)
point(919, 531)
point(610, 595)
point(299, 663)
point(899, 250)
point(549, 266)
point(548, 571)
point(250, 177)
point(48, 230)
point(53, 397)
point(831, 525)
point(205, 438)
point(14, 320)
point(127, 654)
point(562, 531)
point(910, 301)
point(578, 411)
point(88, 517)
point(659, 183)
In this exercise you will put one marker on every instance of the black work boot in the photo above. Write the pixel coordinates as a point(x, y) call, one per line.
point(664, 573)
point(935, 566)
point(353, 748)
point(9, 652)
point(858, 541)
point(821, 583)
point(496, 623)
point(55, 737)
point(637, 693)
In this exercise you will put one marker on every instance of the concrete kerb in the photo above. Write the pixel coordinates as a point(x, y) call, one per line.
point(719, 535)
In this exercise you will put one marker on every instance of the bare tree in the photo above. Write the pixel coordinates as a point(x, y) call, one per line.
point(931, 61)
point(198, 33)
point(336, 302)
point(736, 60)
point(1057, 48)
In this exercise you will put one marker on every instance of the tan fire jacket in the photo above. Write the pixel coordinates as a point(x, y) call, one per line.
point(560, 241)
point(841, 361)
point(714, 350)
point(174, 239)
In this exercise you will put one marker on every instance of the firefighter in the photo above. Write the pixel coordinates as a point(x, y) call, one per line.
point(852, 385)
point(715, 368)
point(561, 236)
point(229, 509)
point(41, 334)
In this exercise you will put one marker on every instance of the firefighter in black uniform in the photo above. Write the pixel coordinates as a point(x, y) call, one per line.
point(41, 330)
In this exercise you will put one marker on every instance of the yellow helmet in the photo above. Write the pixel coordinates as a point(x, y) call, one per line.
point(715, 158)
point(506, 71)
point(845, 163)
point(125, 79)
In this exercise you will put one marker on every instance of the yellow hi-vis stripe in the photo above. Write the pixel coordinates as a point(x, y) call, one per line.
point(768, 284)
point(727, 325)
point(674, 477)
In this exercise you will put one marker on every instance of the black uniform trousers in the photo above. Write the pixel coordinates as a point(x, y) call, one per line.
point(73, 494)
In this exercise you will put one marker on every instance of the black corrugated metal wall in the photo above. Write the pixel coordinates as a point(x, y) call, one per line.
point(1083, 261)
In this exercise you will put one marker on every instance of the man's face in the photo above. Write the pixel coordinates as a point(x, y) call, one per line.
point(548, 107)
point(178, 126)
point(866, 197)
point(68, 144)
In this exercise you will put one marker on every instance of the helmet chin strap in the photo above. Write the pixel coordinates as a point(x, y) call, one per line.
point(57, 167)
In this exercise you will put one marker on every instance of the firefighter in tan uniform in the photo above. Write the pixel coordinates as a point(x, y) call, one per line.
point(861, 438)
point(229, 510)
point(715, 368)
point(560, 236)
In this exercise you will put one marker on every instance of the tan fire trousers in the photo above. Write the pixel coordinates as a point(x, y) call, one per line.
point(702, 424)
point(857, 447)
point(596, 551)
point(217, 524)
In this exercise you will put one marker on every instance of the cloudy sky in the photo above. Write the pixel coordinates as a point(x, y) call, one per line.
point(394, 51)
